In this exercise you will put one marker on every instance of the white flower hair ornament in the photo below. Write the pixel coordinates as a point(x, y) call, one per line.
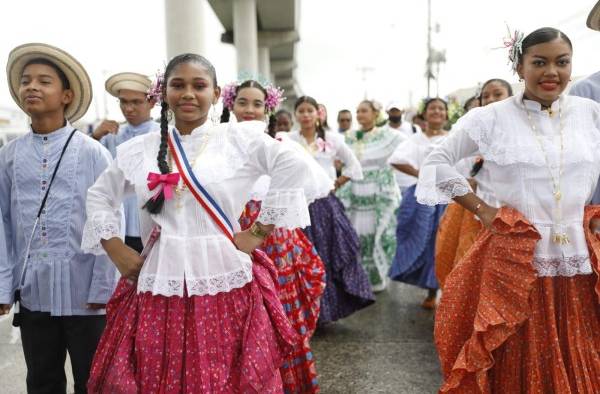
point(514, 44)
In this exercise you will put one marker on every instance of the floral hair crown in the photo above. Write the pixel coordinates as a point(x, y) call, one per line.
point(272, 100)
point(156, 88)
point(514, 43)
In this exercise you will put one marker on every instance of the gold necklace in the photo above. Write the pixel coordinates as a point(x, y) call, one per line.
point(360, 137)
point(310, 147)
point(181, 186)
point(558, 236)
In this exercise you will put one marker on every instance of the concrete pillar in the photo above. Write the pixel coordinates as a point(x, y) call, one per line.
point(185, 26)
point(264, 62)
point(245, 36)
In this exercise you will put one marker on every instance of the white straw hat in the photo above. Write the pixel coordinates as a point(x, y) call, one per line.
point(78, 78)
point(127, 81)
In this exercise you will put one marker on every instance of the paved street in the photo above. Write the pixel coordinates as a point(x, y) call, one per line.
point(386, 348)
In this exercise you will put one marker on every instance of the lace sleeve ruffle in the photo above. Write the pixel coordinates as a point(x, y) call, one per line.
point(102, 225)
point(433, 192)
point(286, 208)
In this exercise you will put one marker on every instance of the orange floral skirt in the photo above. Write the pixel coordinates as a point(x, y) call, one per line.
point(457, 233)
point(501, 329)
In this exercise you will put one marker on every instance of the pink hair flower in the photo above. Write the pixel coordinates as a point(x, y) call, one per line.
point(274, 98)
point(156, 89)
point(228, 94)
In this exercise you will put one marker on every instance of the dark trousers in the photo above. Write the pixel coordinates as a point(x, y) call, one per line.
point(47, 339)
point(134, 243)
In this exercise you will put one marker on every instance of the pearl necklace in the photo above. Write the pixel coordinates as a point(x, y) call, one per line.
point(558, 237)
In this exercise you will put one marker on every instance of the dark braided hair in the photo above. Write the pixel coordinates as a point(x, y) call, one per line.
point(155, 205)
point(313, 102)
point(272, 126)
point(541, 36)
point(225, 115)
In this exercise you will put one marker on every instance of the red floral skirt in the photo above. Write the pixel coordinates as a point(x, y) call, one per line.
point(501, 329)
point(300, 286)
point(232, 342)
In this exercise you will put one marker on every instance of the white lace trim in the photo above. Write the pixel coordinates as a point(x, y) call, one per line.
point(168, 287)
point(285, 208)
point(565, 266)
point(504, 148)
point(234, 143)
point(454, 187)
point(431, 193)
point(95, 230)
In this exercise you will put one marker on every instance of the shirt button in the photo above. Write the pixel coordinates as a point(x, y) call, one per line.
point(45, 138)
point(44, 255)
point(43, 182)
point(44, 160)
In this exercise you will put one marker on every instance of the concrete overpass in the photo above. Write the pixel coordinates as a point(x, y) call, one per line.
point(264, 33)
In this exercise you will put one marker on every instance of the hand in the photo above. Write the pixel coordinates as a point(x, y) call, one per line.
point(487, 214)
point(5, 309)
point(246, 241)
point(128, 261)
point(339, 182)
point(106, 127)
point(96, 306)
point(473, 184)
point(595, 225)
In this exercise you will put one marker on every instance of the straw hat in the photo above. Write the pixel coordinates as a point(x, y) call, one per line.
point(593, 20)
point(129, 81)
point(73, 70)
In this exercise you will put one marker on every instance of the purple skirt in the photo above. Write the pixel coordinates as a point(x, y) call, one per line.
point(348, 288)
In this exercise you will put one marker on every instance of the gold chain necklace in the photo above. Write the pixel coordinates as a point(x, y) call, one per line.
point(360, 138)
point(310, 147)
point(181, 186)
point(558, 237)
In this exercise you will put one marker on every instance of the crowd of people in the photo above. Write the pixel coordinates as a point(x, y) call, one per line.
point(199, 253)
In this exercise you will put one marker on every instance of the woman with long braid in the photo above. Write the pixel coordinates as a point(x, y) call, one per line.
point(200, 313)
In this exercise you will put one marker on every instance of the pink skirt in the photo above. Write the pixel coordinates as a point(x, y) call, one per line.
point(231, 342)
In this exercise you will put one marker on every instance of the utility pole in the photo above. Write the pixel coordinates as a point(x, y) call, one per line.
point(429, 49)
point(364, 70)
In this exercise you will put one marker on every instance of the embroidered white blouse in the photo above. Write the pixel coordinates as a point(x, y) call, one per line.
point(413, 152)
point(485, 188)
point(192, 251)
point(316, 185)
point(519, 174)
point(327, 152)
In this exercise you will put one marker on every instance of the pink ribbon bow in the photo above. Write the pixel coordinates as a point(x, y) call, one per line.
point(323, 145)
point(166, 181)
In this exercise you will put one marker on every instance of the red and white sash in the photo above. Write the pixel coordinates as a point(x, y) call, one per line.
point(198, 191)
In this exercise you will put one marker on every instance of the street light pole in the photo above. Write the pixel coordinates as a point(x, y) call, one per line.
point(429, 71)
point(363, 71)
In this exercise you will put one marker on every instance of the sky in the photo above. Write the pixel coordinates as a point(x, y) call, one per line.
point(337, 38)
